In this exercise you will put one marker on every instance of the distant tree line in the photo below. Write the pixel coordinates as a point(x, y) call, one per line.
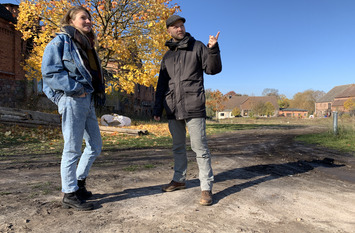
point(301, 100)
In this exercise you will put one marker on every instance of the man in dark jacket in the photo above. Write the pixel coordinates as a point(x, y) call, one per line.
point(181, 92)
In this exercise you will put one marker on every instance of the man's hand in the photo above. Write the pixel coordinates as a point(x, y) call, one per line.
point(213, 40)
point(157, 118)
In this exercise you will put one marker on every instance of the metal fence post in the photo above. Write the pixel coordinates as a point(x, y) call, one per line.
point(335, 122)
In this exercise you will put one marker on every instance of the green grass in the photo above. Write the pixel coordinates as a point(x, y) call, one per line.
point(24, 141)
point(131, 168)
point(5, 193)
point(343, 141)
point(43, 188)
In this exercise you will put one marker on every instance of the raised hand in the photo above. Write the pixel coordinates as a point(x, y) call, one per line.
point(213, 40)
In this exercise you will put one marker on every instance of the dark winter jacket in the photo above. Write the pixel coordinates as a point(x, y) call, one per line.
point(180, 87)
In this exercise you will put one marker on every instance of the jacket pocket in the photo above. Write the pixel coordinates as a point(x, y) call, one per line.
point(169, 103)
point(69, 63)
point(195, 100)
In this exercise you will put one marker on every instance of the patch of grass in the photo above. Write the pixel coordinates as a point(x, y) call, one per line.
point(15, 140)
point(225, 128)
point(44, 188)
point(343, 141)
point(149, 166)
point(131, 168)
point(5, 193)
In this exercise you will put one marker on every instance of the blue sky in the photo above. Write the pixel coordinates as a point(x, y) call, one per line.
point(288, 45)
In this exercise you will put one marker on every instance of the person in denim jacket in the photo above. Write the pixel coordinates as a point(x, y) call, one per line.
point(180, 91)
point(73, 79)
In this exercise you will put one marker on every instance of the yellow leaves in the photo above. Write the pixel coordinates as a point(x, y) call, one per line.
point(131, 33)
point(215, 99)
point(14, 132)
point(157, 129)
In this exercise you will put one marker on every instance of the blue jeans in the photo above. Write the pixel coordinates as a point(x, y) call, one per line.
point(78, 122)
point(197, 131)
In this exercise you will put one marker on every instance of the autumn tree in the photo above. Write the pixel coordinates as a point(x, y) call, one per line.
point(263, 109)
point(236, 111)
point(130, 34)
point(209, 110)
point(349, 104)
point(269, 109)
point(306, 100)
point(283, 101)
point(258, 108)
point(214, 101)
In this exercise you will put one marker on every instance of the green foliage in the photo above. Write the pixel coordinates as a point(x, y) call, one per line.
point(258, 109)
point(263, 109)
point(343, 141)
point(16, 140)
point(283, 101)
point(269, 109)
point(236, 111)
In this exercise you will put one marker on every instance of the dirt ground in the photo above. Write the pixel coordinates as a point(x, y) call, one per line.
point(264, 182)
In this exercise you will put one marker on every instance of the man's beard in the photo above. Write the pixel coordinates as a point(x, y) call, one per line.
point(179, 37)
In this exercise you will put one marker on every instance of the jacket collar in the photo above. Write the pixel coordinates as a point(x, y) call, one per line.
point(182, 44)
point(77, 36)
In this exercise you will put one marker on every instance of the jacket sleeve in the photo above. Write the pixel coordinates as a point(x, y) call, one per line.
point(54, 73)
point(161, 90)
point(211, 60)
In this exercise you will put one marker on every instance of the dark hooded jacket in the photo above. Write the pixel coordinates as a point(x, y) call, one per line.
point(180, 87)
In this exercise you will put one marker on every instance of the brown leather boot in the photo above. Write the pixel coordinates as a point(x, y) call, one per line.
point(206, 198)
point(172, 186)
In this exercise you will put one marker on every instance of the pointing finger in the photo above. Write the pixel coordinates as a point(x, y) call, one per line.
point(217, 35)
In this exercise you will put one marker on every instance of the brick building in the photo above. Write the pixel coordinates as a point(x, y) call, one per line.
point(293, 112)
point(246, 105)
point(13, 84)
point(138, 104)
point(334, 100)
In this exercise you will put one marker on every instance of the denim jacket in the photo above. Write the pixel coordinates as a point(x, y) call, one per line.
point(63, 70)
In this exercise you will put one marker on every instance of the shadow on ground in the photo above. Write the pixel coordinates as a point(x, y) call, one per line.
point(266, 172)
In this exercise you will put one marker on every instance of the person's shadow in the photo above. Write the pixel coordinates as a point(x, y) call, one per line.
point(267, 172)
